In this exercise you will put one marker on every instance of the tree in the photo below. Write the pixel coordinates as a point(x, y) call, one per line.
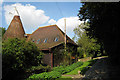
point(2, 30)
point(87, 46)
point(19, 55)
point(104, 25)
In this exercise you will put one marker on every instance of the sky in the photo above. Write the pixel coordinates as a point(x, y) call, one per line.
point(38, 14)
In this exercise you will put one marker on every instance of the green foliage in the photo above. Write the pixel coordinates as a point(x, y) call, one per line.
point(64, 58)
point(66, 69)
point(75, 71)
point(18, 55)
point(68, 54)
point(60, 69)
point(2, 31)
point(55, 73)
point(45, 76)
point(36, 69)
point(85, 67)
point(104, 25)
point(65, 78)
point(83, 70)
point(101, 21)
point(87, 46)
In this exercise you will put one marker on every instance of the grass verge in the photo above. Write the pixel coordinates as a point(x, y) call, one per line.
point(65, 78)
point(82, 68)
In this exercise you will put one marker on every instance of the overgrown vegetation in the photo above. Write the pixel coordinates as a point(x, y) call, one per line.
point(88, 47)
point(66, 69)
point(45, 76)
point(18, 55)
point(64, 78)
point(55, 73)
point(38, 69)
point(64, 58)
point(83, 68)
point(2, 30)
point(104, 25)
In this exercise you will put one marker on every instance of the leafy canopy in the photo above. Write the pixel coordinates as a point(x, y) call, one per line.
point(18, 54)
point(87, 46)
point(104, 24)
point(2, 31)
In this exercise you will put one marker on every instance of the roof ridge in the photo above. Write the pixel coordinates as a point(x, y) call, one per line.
point(43, 27)
point(47, 26)
point(50, 31)
point(40, 28)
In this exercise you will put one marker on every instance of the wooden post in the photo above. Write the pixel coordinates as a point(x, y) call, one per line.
point(65, 34)
point(16, 11)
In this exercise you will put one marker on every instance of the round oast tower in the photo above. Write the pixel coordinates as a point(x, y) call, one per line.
point(15, 29)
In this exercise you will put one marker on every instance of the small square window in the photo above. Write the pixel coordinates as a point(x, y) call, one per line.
point(56, 39)
point(33, 40)
point(45, 40)
point(38, 41)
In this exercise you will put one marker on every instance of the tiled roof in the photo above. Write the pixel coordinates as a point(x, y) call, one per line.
point(48, 37)
point(15, 29)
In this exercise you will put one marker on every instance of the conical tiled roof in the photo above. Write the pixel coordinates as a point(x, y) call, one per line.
point(15, 29)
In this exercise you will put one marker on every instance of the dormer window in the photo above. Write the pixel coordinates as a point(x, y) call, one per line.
point(56, 39)
point(45, 40)
point(33, 40)
point(38, 41)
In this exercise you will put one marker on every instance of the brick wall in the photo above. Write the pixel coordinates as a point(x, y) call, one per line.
point(48, 59)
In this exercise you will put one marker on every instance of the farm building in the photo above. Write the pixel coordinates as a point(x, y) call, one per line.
point(49, 39)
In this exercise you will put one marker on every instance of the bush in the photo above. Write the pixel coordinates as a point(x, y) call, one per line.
point(45, 76)
point(55, 73)
point(38, 69)
point(18, 55)
point(60, 69)
point(66, 69)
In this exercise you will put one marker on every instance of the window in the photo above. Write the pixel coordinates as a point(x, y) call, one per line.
point(33, 40)
point(45, 40)
point(38, 41)
point(56, 39)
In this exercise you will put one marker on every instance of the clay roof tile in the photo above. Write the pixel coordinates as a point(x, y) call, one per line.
point(48, 37)
point(15, 29)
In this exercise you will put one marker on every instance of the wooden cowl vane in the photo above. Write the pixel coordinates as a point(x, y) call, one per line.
point(15, 29)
